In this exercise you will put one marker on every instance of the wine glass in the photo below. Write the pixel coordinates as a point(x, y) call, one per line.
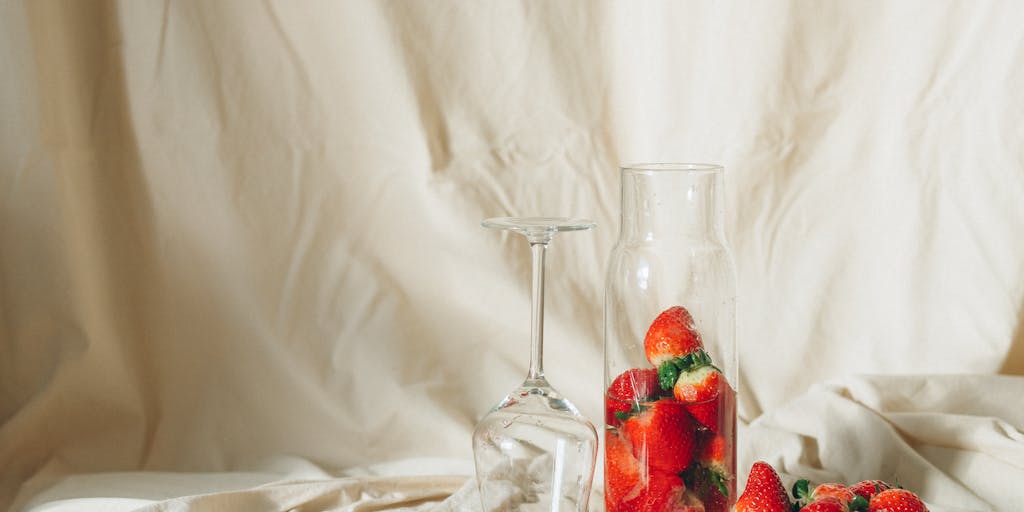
point(534, 451)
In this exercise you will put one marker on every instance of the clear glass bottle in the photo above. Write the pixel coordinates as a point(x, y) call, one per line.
point(671, 365)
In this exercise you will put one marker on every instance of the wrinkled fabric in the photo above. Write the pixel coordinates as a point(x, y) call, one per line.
point(231, 231)
point(284, 483)
point(952, 438)
point(957, 440)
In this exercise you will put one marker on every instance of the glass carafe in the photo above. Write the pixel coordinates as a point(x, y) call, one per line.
point(670, 353)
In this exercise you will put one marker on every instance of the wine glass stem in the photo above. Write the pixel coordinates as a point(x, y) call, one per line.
point(537, 317)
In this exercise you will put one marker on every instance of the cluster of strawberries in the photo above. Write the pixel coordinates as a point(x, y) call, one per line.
point(670, 427)
point(765, 493)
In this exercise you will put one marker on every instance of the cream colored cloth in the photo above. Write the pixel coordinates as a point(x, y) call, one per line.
point(233, 230)
point(284, 484)
point(339, 495)
point(958, 440)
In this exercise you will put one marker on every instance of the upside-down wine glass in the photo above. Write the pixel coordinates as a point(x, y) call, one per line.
point(534, 451)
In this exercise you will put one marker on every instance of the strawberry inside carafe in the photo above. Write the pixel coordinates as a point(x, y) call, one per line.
point(656, 434)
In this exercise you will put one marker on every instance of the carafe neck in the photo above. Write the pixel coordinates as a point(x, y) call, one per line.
point(665, 202)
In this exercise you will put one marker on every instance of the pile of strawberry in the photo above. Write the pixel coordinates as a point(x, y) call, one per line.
point(670, 427)
point(765, 493)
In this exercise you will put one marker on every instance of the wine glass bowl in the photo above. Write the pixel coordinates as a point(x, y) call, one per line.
point(534, 450)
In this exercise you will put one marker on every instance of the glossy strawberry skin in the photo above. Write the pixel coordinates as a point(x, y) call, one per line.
point(896, 500)
point(714, 501)
point(717, 414)
point(837, 491)
point(663, 437)
point(621, 472)
point(630, 388)
point(764, 491)
point(628, 488)
point(613, 409)
point(699, 385)
point(707, 484)
point(664, 492)
point(672, 334)
point(715, 452)
point(867, 489)
point(636, 384)
point(826, 504)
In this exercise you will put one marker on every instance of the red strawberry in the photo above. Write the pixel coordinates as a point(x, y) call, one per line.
point(714, 501)
point(621, 472)
point(663, 436)
point(694, 503)
point(714, 490)
point(672, 334)
point(664, 493)
point(896, 500)
point(699, 385)
point(717, 414)
point(715, 453)
point(628, 389)
point(826, 504)
point(837, 491)
point(867, 489)
point(614, 409)
point(764, 492)
point(636, 384)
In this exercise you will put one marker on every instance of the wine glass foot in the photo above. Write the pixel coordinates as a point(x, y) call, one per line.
point(538, 229)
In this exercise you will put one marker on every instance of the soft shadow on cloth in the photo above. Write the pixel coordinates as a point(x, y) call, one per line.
point(1014, 363)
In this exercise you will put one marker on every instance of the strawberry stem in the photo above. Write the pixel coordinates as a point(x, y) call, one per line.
point(670, 370)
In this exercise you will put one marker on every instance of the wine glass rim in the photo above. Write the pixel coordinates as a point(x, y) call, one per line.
point(651, 167)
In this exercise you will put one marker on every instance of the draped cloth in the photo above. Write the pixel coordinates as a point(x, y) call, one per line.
point(239, 233)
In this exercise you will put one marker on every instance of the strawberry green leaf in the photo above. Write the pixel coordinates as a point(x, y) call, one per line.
point(859, 504)
point(693, 361)
point(699, 476)
point(719, 481)
point(668, 372)
point(801, 489)
point(701, 358)
point(685, 362)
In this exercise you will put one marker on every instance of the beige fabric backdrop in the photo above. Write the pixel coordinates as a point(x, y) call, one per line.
point(231, 231)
